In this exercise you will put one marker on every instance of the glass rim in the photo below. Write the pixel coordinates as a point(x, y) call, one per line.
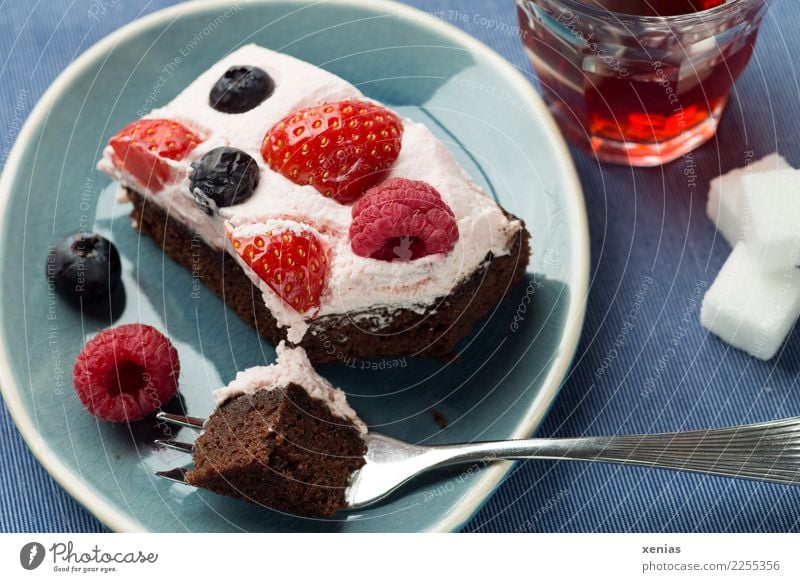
point(579, 8)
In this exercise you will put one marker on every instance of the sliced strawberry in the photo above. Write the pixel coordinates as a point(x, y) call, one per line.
point(293, 264)
point(342, 149)
point(140, 149)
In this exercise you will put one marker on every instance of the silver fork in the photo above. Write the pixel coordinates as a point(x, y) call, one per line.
point(768, 451)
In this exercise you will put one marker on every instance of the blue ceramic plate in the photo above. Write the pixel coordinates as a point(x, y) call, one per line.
point(509, 371)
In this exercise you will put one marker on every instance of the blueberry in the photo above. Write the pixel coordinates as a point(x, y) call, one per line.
point(240, 89)
point(224, 176)
point(84, 267)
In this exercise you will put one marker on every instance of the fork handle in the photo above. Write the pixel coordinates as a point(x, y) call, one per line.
point(767, 451)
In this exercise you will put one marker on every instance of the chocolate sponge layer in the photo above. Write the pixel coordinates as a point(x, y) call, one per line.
point(352, 336)
point(281, 449)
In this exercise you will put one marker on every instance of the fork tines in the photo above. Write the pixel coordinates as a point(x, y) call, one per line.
point(178, 420)
point(178, 474)
point(176, 446)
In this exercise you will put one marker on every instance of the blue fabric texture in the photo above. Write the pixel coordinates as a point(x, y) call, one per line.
point(644, 363)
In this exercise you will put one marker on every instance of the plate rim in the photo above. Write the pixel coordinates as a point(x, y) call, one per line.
point(478, 494)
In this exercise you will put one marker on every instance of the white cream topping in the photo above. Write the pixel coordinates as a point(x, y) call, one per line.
point(291, 367)
point(353, 283)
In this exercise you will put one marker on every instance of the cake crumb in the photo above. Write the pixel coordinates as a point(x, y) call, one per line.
point(439, 418)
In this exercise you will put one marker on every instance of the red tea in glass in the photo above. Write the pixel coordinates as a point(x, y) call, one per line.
point(639, 82)
point(654, 7)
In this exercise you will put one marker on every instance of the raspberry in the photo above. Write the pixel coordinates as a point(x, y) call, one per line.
point(125, 373)
point(141, 147)
point(402, 219)
point(293, 264)
point(341, 149)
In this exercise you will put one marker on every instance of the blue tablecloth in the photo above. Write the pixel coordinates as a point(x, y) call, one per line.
point(653, 253)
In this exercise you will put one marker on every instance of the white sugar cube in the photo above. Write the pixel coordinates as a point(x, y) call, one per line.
point(770, 216)
point(751, 309)
point(725, 193)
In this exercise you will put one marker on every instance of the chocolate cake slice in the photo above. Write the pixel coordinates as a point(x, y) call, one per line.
point(318, 215)
point(370, 333)
point(283, 438)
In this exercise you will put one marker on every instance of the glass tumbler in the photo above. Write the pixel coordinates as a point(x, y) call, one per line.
point(635, 87)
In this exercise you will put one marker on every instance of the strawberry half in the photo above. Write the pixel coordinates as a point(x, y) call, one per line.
point(342, 149)
point(293, 264)
point(142, 148)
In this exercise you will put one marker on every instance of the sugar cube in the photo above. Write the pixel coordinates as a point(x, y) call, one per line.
point(770, 218)
point(725, 193)
point(749, 308)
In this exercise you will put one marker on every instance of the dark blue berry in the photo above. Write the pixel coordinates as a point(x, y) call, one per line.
point(84, 267)
point(240, 89)
point(224, 176)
